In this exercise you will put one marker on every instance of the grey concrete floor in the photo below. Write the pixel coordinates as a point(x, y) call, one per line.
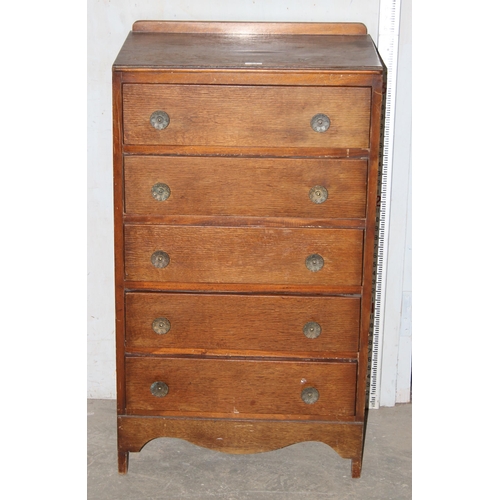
point(175, 469)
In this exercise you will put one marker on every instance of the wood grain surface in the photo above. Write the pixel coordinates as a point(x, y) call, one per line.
point(243, 255)
point(240, 158)
point(265, 187)
point(239, 436)
point(248, 28)
point(246, 76)
point(240, 323)
point(256, 116)
point(264, 50)
point(236, 387)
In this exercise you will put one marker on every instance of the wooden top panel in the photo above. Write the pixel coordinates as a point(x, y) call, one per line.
point(156, 50)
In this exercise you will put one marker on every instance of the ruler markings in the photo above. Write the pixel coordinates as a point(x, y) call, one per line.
point(388, 48)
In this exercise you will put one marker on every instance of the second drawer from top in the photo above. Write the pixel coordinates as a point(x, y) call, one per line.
point(277, 187)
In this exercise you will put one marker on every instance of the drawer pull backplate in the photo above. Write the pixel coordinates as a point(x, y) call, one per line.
point(159, 389)
point(159, 120)
point(314, 262)
point(310, 395)
point(320, 123)
point(318, 194)
point(160, 259)
point(160, 191)
point(161, 326)
point(312, 330)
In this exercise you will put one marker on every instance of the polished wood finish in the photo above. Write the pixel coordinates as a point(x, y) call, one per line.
point(213, 52)
point(257, 116)
point(240, 158)
point(265, 187)
point(257, 325)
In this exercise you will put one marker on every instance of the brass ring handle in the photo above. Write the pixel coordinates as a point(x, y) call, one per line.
point(320, 123)
point(159, 389)
point(310, 395)
point(312, 330)
point(318, 194)
point(161, 326)
point(160, 259)
point(159, 120)
point(160, 191)
point(314, 262)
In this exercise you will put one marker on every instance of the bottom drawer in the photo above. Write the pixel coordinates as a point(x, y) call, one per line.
point(238, 388)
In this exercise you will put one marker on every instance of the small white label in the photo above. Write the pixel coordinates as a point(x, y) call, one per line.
point(253, 63)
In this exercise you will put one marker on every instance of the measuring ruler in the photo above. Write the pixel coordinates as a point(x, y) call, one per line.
point(388, 41)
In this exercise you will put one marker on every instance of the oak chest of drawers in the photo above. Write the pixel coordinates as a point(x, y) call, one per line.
point(245, 183)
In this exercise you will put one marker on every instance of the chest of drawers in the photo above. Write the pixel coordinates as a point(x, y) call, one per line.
point(245, 184)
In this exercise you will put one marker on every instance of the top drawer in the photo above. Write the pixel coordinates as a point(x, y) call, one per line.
point(250, 116)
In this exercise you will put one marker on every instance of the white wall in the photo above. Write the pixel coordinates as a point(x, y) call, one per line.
point(109, 22)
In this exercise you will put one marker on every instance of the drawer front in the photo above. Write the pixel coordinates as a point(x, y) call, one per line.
point(245, 187)
point(190, 254)
point(240, 387)
point(251, 116)
point(157, 322)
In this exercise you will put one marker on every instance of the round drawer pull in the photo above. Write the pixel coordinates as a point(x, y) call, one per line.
point(320, 123)
point(160, 191)
point(159, 389)
point(310, 395)
point(160, 259)
point(161, 326)
point(318, 194)
point(314, 262)
point(159, 120)
point(312, 330)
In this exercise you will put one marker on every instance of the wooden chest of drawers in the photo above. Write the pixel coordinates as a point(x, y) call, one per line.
point(245, 183)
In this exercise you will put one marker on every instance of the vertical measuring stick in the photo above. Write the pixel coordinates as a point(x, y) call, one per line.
point(388, 41)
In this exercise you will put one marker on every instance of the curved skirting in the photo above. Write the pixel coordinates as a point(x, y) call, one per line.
point(240, 436)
